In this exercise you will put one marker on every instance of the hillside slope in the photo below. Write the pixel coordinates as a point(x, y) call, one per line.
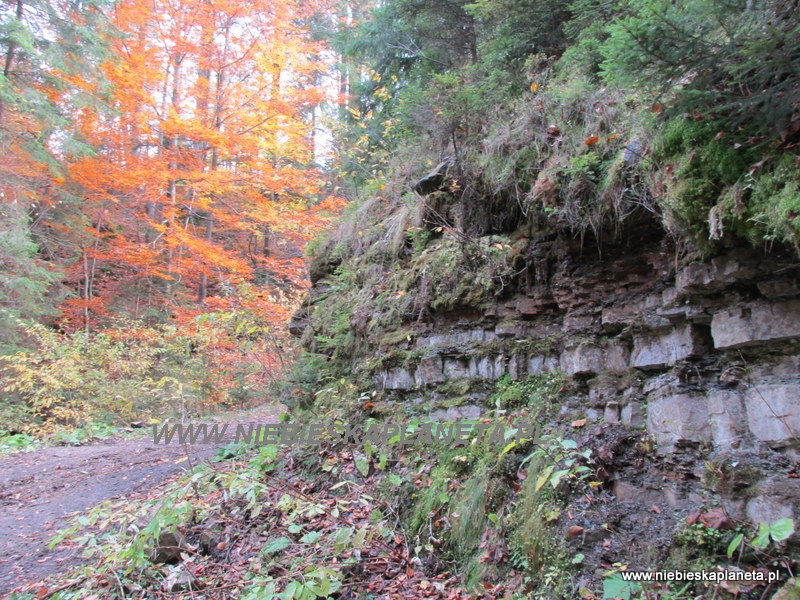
point(679, 374)
point(619, 265)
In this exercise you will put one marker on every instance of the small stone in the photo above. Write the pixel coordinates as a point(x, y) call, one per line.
point(395, 379)
point(429, 371)
point(506, 330)
point(611, 414)
point(777, 498)
point(542, 364)
point(615, 318)
point(487, 367)
point(591, 359)
point(632, 415)
point(781, 288)
point(577, 323)
point(789, 591)
point(210, 537)
point(727, 418)
point(456, 368)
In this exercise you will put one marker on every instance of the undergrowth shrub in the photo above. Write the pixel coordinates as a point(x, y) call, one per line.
point(308, 374)
point(133, 372)
point(69, 379)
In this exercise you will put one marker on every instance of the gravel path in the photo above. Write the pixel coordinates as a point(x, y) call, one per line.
point(41, 490)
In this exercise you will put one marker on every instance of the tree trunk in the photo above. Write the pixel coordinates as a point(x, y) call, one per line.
point(8, 63)
point(202, 288)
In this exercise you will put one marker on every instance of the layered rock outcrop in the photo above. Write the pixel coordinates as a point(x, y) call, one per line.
point(702, 355)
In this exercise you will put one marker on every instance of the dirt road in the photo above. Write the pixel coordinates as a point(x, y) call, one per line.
point(40, 490)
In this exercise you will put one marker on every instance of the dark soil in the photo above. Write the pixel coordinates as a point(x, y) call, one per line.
point(40, 491)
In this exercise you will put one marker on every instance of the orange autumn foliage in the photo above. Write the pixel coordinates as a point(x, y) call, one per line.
point(204, 175)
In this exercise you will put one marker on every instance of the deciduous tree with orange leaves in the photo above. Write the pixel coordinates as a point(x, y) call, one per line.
point(204, 173)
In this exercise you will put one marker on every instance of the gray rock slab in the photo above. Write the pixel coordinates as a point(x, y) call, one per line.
point(756, 323)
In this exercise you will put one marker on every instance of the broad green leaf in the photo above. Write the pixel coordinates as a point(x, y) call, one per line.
point(277, 545)
point(762, 539)
point(312, 537)
point(341, 540)
point(781, 529)
point(258, 592)
point(360, 537)
point(556, 477)
point(735, 543)
point(509, 447)
point(362, 464)
point(375, 515)
point(543, 477)
point(289, 591)
point(616, 587)
point(319, 586)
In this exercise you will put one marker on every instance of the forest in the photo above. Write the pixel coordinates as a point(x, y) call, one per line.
point(207, 207)
point(160, 181)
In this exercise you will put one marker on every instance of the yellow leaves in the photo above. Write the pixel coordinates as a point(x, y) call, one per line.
point(382, 93)
point(534, 87)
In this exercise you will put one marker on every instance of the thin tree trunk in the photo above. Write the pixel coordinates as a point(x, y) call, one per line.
point(202, 289)
point(172, 189)
point(8, 63)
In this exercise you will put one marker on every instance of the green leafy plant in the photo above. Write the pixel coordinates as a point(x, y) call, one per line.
point(16, 442)
point(566, 462)
point(777, 531)
point(614, 586)
point(536, 391)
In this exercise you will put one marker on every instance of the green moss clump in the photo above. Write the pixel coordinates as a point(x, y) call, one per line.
point(775, 202)
point(701, 164)
point(537, 391)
